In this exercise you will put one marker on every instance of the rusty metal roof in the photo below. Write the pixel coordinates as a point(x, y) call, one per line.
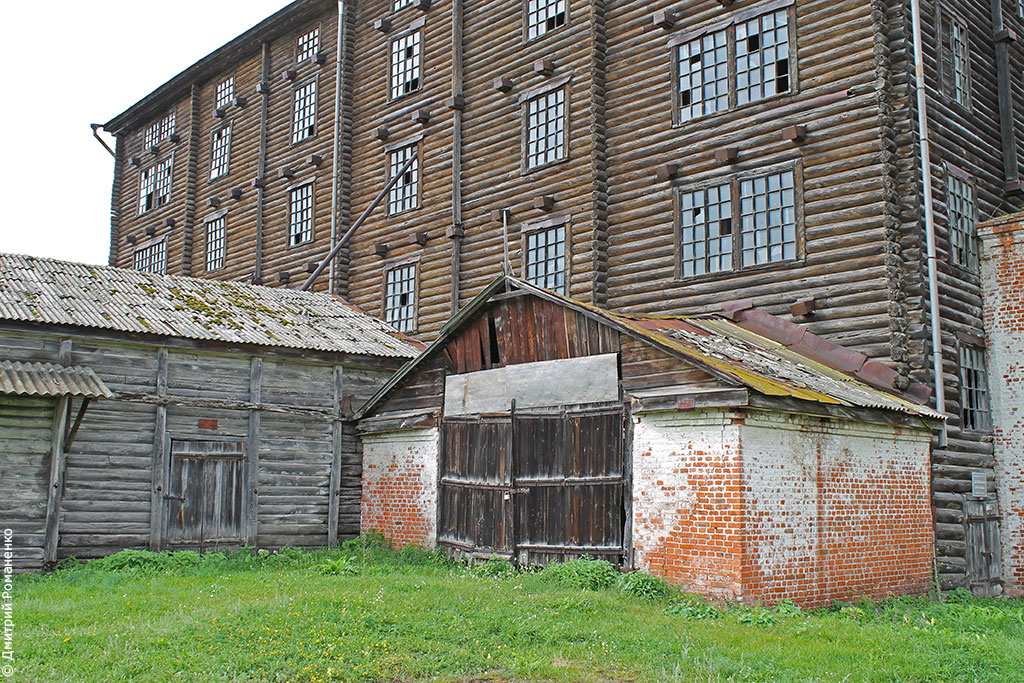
point(38, 290)
point(47, 379)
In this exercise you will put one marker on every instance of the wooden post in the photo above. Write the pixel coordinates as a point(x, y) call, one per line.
point(156, 510)
point(56, 490)
point(250, 502)
point(337, 442)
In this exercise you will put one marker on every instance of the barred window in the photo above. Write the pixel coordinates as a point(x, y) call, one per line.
point(768, 218)
point(308, 45)
point(545, 129)
point(545, 258)
point(304, 115)
point(705, 236)
point(400, 298)
point(300, 222)
point(405, 195)
point(961, 218)
point(703, 75)
point(762, 57)
point(161, 130)
point(974, 398)
point(155, 186)
point(405, 64)
point(954, 56)
point(225, 92)
point(216, 242)
point(152, 258)
point(544, 16)
point(220, 154)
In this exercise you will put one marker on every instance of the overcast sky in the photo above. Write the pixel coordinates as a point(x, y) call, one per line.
point(69, 63)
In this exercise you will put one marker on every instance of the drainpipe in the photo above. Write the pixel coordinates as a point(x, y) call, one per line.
point(929, 215)
point(336, 173)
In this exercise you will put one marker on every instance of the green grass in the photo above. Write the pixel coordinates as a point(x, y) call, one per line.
point(364, 613)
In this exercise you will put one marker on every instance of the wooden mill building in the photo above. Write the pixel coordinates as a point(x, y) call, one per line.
point(646, 158)
point(146, 411)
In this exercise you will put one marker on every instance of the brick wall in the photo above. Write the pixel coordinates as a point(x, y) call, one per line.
point(400, 486)
point(1002, 275)
point(772, 506)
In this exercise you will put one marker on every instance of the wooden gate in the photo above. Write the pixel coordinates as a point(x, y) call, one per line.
point(981, 515)
point(204, 493)
point(534, 487)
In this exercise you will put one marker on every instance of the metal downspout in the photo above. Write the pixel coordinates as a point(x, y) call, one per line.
point(929, 215)
point(336, 173)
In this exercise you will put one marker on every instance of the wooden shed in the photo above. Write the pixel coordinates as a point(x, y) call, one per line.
point(736, 454)
point(146, 411)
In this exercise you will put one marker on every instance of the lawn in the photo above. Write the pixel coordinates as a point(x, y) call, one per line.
point(364, 613)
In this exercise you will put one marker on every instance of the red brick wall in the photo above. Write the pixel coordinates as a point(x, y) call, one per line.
point(399, 497)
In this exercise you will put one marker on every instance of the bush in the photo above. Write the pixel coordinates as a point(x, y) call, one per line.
point(582, 573)
point(495, 566)
point(340, 567)
point(644, 586)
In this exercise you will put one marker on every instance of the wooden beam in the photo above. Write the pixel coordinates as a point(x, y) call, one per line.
point(70, 438)
point(160, 449)
point(250, 501)
point(56, 489)
point(337, 443)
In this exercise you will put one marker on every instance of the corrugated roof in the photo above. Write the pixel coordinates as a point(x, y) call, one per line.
point(40, 290)
point(47, 379)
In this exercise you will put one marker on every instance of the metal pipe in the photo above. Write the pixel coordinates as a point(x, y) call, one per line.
point(355, 226)
point(336, 173)
point(929, 215)
point(95, 127)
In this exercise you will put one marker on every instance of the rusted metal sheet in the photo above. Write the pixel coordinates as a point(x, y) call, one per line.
point(48, 379)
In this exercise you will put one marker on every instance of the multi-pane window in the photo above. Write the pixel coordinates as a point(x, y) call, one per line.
point(220, 156)
point(961, 217)
point(703, 75)
point(300, 221)
point(304, 112)
point(216, 242)
point(225, 92)
point(161, 130)
point(400, 298)
point(767, 219)
point(308, 45)
point(152, 258)
point(974, 400)
point(399, 4)
point(955, 59)
point(545, 129)
point(155, 186)
point(762, 57)
point(705, 235)
point(543, 16)
point(405, 195)
point(406, 63)
point(545, 258)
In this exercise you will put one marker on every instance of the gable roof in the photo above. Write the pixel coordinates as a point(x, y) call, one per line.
point(38, 290)
point(714, 344)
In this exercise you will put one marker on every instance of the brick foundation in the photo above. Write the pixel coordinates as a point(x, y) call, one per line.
point(399, 496)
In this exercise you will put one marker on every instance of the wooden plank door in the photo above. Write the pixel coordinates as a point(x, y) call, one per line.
point(205, 488)
point(981, 515)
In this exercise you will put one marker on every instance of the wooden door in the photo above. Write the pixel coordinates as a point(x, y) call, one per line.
point(204, 493)
point(981, 516)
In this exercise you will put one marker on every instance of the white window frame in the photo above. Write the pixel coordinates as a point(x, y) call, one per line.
point(542, 17)
point(401, 280)
point(304, 108)
point(156, 179)
point(301, 201)
point(220, 151)
point(405, 64)
point(546, 129)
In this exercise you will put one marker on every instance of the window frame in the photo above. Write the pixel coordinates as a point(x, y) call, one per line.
point(526, 23)
point(728, 25)
point(545, 225)
point(208, 223)
point(733, 180)
point(216, 91)
point(968, 342)
point(946, 17)
point(296, 55)
point(565, 85)
point(169, 159)
point(315, 82)
point(416, 142)
point(972, 241)
point(227, 125)
point(292, 189)
point(160, 135)
point(160, 242)
point(389, 268)
point(416, 27)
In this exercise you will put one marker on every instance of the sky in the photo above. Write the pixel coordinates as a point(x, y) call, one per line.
point(71, 63)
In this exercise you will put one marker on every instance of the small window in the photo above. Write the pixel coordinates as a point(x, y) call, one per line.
point(768, 219)
point(155, 186)
point(225, 92)
point(300, 222)
point(399, 4)
point(304, 114)
point(220, 155)
point(703, 76)
point(975, 413)
point(705, 238)
point(151, 259)
point(405, 195)
point(545, 129)
point(161, 130)
point(545, 258)
point(544, 16)
point(308, 45)
point(954, 54)
point(762, 57)
point(216, 242)
point(405, 64)
point(400, 298)
point(962, 222)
